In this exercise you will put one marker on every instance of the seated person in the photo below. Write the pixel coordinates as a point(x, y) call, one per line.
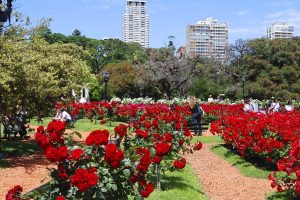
point(247, 107)
point(62, 115)
point(289, 106)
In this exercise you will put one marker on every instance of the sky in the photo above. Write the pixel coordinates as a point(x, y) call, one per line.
point(247, 19)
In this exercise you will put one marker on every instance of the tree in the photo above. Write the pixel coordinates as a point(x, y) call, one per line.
point(76, 33)
point(35, 74)
point(168, 74)
point(272, 68)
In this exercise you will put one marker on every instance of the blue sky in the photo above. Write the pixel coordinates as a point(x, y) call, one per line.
point(247, 19)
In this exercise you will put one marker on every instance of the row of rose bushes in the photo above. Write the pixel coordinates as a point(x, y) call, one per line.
point(274, 138)
point(114, 166)
point(100, 110)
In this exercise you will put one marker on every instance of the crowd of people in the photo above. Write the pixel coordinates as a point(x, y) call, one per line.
point(272, 107)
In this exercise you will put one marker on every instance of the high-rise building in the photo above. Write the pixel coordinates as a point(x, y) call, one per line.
point(207, 38)
point(136, 23)
point(280, 30)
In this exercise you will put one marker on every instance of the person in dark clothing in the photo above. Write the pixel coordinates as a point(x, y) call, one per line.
point(21, 121)
point(197, 113)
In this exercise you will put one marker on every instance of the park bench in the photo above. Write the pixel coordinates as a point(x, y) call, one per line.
point(204, 125)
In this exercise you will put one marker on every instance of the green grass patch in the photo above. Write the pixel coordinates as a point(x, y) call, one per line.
point(46, 121)
point(18, 148)
point(3, 164)
point(88, 126)
point(281, 196)
point(246, 168)
point(82, 124)
point(180, 184)
point(208, 139)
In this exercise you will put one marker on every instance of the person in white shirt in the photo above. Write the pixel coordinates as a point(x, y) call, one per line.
point(210, 99)
point(63, 115)
point(247, 106)
point(289, 107)
point(275, 106)
point(82, 100)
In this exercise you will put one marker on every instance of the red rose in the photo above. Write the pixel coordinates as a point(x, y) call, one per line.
point(148, 189)
point(98, 138)
point(76, 154)
point(83, 179)
point(181, 141)
point(14, 193)
point(179, 164)
point(60, 198)
point(162, 149)
point(121, 130)
point(55, 136)
point(113, 155)
point(145, 160)
point(142, 134)
point(103, 121)
point(133, 178)
point(57, 154)
point(198, 146)
point(40, 129)
point(157, 159)
point(280, 165)
point(42, 140)
point(168, 137)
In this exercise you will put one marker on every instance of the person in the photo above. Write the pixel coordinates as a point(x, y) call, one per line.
point(210, 99)
point(21, 121)
point(219, 99)
point(289, 106)
point(62, 115)
point(197, 114)
point(275, 106)
point(82, 100)
point(247, 107)
point(253, 106)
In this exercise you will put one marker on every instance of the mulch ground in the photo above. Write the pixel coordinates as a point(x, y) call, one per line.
point(220, 180)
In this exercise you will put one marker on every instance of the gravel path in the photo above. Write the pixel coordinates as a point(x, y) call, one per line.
point(221, 181)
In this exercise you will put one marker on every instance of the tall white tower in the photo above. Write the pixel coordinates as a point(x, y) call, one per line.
point(136, 23)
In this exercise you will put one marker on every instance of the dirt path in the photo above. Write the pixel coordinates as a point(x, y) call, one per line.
point(221, 181)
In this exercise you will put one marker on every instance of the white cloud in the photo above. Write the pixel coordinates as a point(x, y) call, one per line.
point(243, 12)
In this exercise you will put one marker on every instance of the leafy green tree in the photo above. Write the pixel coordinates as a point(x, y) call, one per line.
point(35, 74)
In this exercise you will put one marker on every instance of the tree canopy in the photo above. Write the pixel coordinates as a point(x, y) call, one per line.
point(35, 74)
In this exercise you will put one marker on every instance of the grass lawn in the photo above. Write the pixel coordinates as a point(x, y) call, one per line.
point(82, 124)
point(281, 196)
point(246, 168)
point(179, 185)
point(88, 126)
point(16, 148)
point(208, 139)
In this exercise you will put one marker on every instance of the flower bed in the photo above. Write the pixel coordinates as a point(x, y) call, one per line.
point(273, 138)
point(102, 169)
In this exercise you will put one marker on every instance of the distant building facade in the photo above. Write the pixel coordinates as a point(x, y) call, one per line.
point(136, 23)
point(280, 30)
point(207, 38)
